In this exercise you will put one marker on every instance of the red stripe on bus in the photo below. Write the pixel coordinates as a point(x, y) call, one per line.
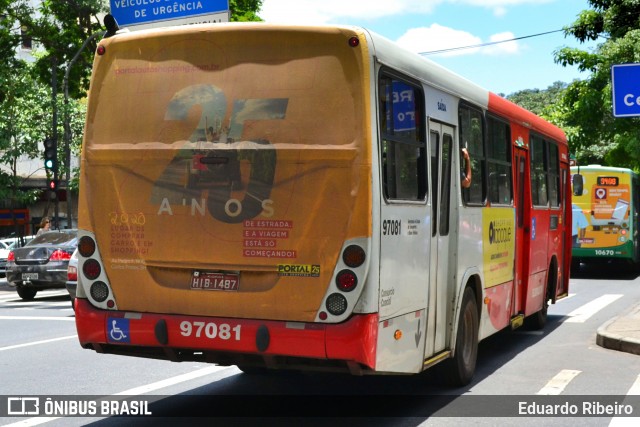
point(354, 340)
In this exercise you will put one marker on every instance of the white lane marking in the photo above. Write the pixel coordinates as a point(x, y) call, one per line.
point(635, 388)
point(628, 421)
point(172, 381)
point(41, 294)
point(581, 314)
point(33, 303)
point(559, 382)
point(68, 319)
point(12, 347)
point(134, 392)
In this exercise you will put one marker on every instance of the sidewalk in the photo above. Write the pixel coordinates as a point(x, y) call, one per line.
point(622, 333)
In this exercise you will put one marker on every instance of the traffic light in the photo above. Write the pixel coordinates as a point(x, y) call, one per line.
point(52, 185)
point(51, 155)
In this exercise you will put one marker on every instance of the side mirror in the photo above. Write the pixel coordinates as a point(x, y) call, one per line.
point(577, 182)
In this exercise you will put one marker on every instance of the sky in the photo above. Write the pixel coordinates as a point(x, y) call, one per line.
point(429, 25)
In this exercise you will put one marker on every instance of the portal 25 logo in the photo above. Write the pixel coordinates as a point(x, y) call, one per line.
point(23, 406)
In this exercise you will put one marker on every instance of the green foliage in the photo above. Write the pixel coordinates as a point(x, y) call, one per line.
point(539, 101)
point(62, 37)
point(25, 120)
point(585, 109)
point(244, 10)
point(59, 28)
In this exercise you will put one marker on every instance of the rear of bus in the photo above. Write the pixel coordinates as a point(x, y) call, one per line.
point(225, 199)
point(605, 205)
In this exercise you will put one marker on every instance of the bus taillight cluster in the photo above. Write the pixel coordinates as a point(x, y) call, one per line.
point(346, 281)
point(92, 270)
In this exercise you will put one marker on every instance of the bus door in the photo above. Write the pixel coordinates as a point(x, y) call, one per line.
point(523, 231)
point(441, 289)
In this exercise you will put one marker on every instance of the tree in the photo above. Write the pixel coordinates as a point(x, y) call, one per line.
point(25, 110)
point(244, 10)
point(541, 102)
point(585, 110)
point(60, 27)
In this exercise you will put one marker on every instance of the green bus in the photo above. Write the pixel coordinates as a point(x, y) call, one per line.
point(605, 207)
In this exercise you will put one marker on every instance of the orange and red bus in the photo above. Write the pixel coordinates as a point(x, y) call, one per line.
point(289, 197)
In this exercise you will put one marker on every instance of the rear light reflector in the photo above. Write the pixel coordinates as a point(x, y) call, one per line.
point(11, 256)
point(336, 304)
point(353, 256)
point(346, 280)
point(60, 255)
point(86, 246)
point(99, 291)
point(72, 274)
point(91, 269)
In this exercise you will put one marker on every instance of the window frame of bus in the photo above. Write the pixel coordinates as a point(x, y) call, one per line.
point(476, 154)
point(493, 160)
point(542, 168)
point(389, 138)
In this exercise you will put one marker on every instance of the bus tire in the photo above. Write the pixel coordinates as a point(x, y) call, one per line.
point(538, 320)
point(26, 293)
point(459, 370)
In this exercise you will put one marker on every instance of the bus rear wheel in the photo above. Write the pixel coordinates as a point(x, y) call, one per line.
point(460, 368)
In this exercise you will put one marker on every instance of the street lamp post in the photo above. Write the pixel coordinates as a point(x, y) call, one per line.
point(67, 125)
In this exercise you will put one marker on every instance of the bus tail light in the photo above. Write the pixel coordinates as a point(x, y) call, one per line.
point(99, 291)
point(91, 269)
point(346, 280)
point(353, 256)
point(86, 246)
point(347, 283)
point(336, 304)
point(93, 282)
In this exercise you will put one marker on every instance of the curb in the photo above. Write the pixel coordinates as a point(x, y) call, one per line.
point(611, 334)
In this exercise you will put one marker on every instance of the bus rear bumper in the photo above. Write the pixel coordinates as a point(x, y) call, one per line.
point(225, 340)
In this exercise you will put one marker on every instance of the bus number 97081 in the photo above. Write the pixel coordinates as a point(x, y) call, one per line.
point(211, 330)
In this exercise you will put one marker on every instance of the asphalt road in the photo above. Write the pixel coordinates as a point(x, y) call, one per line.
point(40, 356)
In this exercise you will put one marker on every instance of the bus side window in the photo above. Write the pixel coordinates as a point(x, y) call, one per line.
point(499, 162)
point(539, 171)
point(402, 134)
point(472, 136)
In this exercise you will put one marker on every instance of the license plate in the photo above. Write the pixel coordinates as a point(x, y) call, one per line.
point(29, 276)
point(215, 281)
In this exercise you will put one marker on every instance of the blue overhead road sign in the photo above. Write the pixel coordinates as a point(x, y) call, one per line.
point(625, 83)
point(135, 12)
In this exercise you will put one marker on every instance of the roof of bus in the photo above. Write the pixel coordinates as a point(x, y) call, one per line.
point(446, 80)
point(388, 52)
point(601, 169)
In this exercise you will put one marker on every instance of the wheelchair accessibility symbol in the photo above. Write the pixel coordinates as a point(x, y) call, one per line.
point(118, 330)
